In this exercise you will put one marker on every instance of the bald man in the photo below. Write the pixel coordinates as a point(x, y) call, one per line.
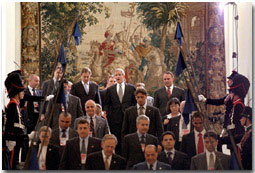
point(98, 126)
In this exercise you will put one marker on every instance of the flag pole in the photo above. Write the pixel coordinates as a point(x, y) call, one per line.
point(189, 84)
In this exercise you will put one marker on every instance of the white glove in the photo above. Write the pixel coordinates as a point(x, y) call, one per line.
point(49, 97)
point(202, 98)
point(10, 145)
point(31, 135)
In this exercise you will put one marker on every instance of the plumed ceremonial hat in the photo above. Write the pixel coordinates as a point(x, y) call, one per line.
point(240, 85)
point(13, 83)
point(232, 75)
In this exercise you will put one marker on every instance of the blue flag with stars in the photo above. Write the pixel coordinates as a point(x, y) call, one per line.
point(180, 65)
point(77, 33)
point(189, 107)
point(178, 33)
point(62, 56)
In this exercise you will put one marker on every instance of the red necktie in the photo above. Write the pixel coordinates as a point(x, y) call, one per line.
point(168, 92)
point(200, 144)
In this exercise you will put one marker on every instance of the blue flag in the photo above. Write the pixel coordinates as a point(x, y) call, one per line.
point(189, 107)
point(62, 56)
point(233, 163)
point(34, 162)
point(180, 65)
point(62, 97)
point(178, 33)
point(77, 33)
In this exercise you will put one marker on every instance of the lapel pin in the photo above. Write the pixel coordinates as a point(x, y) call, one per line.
point(160, 168)
point(92, 146)
point(49, 149)
point(114, 162)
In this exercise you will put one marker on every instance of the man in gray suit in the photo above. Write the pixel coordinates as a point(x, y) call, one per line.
point(63, 133)
point(73, 107)
point(98, 126)
point(210, 159)
point(164, 94)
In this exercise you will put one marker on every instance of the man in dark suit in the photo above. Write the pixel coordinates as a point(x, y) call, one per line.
point(129, 123)
point(176, 159)
point(106, 159)
point(77, 149)
point(178, 126)
point(118, 98)
point(98, 125)
point(110, 81)
point(134, 143)
point(85, 89)
point(163, 95)
point(32, 100)
point(151, 162)
point(193, 142)
point(63, 133)
point(73, 107)
point(49, 88)
point(210, 159)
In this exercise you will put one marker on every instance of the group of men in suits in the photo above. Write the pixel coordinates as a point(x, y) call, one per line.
point(134, 137)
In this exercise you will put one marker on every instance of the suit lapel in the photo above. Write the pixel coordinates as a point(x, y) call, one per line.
point(125, 92)
point(113, 162)
point(203, 161)
point(77, 148)
point(82, 89)
point(136, 140)
point(97, 124)
point(90, 146)
point(216, 165)
point(90, 88)
point(165, 93)
point(148, 110)
point(193, 143)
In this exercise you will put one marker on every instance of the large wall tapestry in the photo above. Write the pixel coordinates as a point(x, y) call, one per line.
point(138, 37)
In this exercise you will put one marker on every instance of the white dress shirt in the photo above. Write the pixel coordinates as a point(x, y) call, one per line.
point(208, 157)
point(94, 120)
point(109, 158)
point(42, 158)
point(144, 108)
point(122, 86)
point(172, 151)
point(154, 165)
point(180, 127)
point(84, 85)
point(171, 89)
point(61, 133)
point(170, 115)
point(196, 137)
point(86, 142)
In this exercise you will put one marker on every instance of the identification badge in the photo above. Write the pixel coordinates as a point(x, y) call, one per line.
point(36, 105)
point(63, 142)
point(63, 108)
point(185, 131)
point(143, 147)
point(90, 134)
point(83, 158)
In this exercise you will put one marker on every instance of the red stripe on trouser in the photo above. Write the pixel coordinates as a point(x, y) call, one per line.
point(12, 155)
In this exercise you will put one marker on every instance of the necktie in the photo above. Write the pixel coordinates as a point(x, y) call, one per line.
point(143, 139)
point(168, 92)
point(86, 88)
point(141, 110)
point(169, 157)
point(211, 162)
point(63, 133)
point(200, 144)
point(106, 163)
point(92, 126)
point(120, 93)
point(34, 93)
point(83, 149)
point(151, 167)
